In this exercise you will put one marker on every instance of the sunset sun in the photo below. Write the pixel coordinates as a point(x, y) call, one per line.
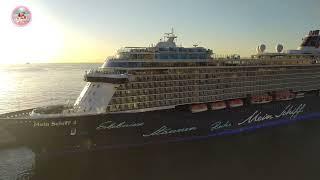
point(37, 41)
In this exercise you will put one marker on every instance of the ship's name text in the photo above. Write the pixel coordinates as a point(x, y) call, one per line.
point(52, 124)
point(290, 111)
point(114, 125)
point(164, 130)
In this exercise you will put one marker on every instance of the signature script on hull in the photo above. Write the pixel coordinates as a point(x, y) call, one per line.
point(164, 130)
point(289, 111)
point(114, 125)
point(220, 125)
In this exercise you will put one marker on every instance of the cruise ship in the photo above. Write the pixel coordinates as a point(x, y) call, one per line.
point(168, 93)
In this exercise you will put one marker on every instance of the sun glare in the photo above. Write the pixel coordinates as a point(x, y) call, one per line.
point(39, 41)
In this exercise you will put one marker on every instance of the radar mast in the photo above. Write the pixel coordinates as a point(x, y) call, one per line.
point(170, 36)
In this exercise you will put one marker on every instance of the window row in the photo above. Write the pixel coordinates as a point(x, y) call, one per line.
point(212, 79)
point(182, 86)
point(191, 100)
point(295, 69)
point(233, 90)
point(168, 102)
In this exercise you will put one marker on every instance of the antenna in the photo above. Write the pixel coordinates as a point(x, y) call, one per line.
point(170, 33)
point(196, 44)
point(170, 36)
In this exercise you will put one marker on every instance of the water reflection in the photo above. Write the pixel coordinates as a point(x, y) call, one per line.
point(14, 161)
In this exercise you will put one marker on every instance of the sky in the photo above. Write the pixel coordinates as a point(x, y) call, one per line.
point(89, 31)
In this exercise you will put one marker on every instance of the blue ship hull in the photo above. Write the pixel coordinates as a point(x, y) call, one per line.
point(93, 132)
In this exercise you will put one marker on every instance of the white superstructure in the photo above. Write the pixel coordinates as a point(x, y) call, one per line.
point(166, 76)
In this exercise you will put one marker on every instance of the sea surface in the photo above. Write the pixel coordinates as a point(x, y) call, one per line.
point(26, 86)
point(286, 152)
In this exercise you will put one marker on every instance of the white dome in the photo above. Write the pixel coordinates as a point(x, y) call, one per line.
point(279, 48)
point(261, 48)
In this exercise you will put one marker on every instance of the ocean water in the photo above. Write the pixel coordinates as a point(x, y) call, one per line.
point(32, 85)
point(286, 152)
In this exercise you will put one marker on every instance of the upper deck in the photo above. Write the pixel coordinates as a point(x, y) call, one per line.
point(167, 55)
point(114, 64)
point(164, 50)
point(163, 53)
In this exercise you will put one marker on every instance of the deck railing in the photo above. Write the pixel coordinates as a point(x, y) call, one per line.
point(22, 113)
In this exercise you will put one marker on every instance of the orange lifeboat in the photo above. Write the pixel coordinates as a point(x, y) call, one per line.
point(235, 103)
point(218, 105)
point(195, 108)
point(261, 99)
point(284, 96)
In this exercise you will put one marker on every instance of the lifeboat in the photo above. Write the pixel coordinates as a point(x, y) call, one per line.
point(261, 99)
point(284, 96)
point(218, 105)
point(195, 108)
point(235, 103)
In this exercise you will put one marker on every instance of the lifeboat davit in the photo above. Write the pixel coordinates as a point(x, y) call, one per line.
point(284, 96)
point(261, 99)
point(235, 103)
point(218, 105)
point(195, 108)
